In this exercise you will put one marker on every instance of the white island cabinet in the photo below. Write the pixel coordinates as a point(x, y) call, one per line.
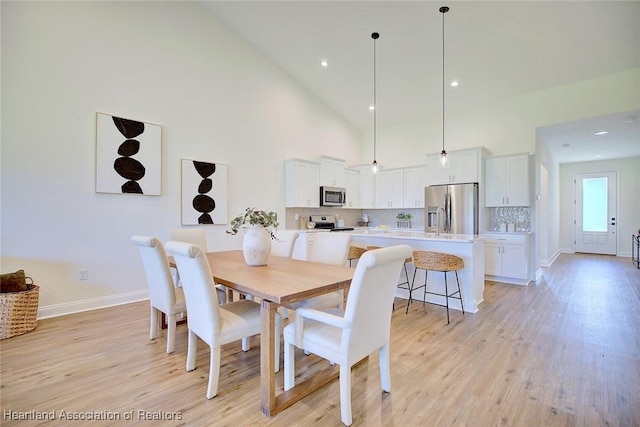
point(468, 247)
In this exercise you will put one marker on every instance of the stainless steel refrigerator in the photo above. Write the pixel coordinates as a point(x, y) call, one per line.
point(459, 203)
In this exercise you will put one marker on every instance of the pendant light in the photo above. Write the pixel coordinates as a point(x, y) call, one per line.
point(374, 165)
point(443, 155)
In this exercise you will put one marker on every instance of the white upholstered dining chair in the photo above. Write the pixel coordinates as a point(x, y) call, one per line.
point(364, 327)
point(327, 248)
point(195, 236)
point(214, 324)
point(283, 246)
point(164, 297)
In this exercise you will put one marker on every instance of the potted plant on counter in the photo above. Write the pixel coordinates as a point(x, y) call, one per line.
point(259, 228)
point(404, 220)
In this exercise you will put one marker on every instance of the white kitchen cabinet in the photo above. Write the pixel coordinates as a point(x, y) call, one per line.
point(302, 184)
point(352, 180)
point(462, 166)
point(507, 258)
point(367, 188)
point(415, 180)
point(332, 172)
point(507, 181)
point(389, 189)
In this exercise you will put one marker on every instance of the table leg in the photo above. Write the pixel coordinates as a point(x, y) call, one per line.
point(267, 363)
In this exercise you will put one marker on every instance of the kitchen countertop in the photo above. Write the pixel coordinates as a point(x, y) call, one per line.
point(399, 233)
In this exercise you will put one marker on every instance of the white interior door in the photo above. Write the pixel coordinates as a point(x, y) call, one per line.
point(595, 215)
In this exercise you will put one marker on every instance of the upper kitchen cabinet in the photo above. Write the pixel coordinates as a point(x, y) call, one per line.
point(507, 181)
point(415, 180)
point(389, 187)
point(367, 187)
point(332, 172)
point(301, 184)
point(352, 180)
point(463, 166)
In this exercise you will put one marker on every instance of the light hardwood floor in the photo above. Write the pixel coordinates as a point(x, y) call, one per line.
point(562, 351)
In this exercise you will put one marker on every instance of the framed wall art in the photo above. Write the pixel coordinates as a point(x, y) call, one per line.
point(204, 192)
point(128, 156)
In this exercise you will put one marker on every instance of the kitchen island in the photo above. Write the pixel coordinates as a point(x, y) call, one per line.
point(469, 247)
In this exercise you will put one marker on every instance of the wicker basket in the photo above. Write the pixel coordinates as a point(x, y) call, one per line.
point(18, 311)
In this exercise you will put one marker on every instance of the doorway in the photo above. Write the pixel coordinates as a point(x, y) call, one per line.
point(595, 214)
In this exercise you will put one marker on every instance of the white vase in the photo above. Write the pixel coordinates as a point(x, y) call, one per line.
point(256, 245)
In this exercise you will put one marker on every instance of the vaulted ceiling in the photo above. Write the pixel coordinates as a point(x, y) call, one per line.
point(494, 49)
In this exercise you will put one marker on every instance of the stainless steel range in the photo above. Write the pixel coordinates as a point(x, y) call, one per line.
point(328, 222)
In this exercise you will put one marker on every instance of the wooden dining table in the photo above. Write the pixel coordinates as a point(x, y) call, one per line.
point(281, 282)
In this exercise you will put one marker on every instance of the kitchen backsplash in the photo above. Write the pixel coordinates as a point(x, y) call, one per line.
point(351, 217)
point(500, 218)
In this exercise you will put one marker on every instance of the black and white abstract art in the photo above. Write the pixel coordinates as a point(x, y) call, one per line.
point(128, 156)
point(204, 192)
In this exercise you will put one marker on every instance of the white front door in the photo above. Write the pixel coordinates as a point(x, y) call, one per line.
point(595, 215)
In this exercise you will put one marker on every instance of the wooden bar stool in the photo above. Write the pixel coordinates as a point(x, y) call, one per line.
point(436, 261)
point(406, 273)
point(355, 252)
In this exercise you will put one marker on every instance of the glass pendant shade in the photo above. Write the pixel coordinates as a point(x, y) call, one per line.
point(374, 167)
point(444, 161)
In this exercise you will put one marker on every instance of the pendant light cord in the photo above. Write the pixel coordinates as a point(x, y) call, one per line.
point(374, 36)
point(443, 10)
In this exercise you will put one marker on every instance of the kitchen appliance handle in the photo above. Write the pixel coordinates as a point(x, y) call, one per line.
point(447, 213)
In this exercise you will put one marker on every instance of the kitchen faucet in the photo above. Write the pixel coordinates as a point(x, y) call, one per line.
point(440, 208)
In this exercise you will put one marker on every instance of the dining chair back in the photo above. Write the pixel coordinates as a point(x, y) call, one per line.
point(164, 297)
point(330, 248)
point(195, 236)
point(283, 246)
point(363, 328)
point(214, 324)
point(327, 248)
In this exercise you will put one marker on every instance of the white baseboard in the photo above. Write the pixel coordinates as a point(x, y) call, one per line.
point(549, 262)
point(56, 310)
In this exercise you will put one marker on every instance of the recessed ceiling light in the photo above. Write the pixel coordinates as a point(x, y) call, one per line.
point(597, 156)
point(604, 132)
point(324, 63)
point(372, 107)
point(454, 83)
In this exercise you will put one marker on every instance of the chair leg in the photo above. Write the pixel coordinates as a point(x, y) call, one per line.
point(214, 372)
point(192, 350)
point(446, 294)
point(385, 373)
point(424, 295)
point(246, 343)
point(154, 322)
point(345, 394)
point(411, 290)
point(171, 332)
point(459, 291)
point(289, 365)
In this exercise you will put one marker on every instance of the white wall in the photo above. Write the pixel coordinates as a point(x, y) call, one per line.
point(628, 216)
point(506, 126)
point(509, 126)
point(169, 63)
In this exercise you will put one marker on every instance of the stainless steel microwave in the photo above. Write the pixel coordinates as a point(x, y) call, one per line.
point(333, 196)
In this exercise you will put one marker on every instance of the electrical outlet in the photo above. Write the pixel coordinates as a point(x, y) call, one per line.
point(83, 274)
point(297, 217)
